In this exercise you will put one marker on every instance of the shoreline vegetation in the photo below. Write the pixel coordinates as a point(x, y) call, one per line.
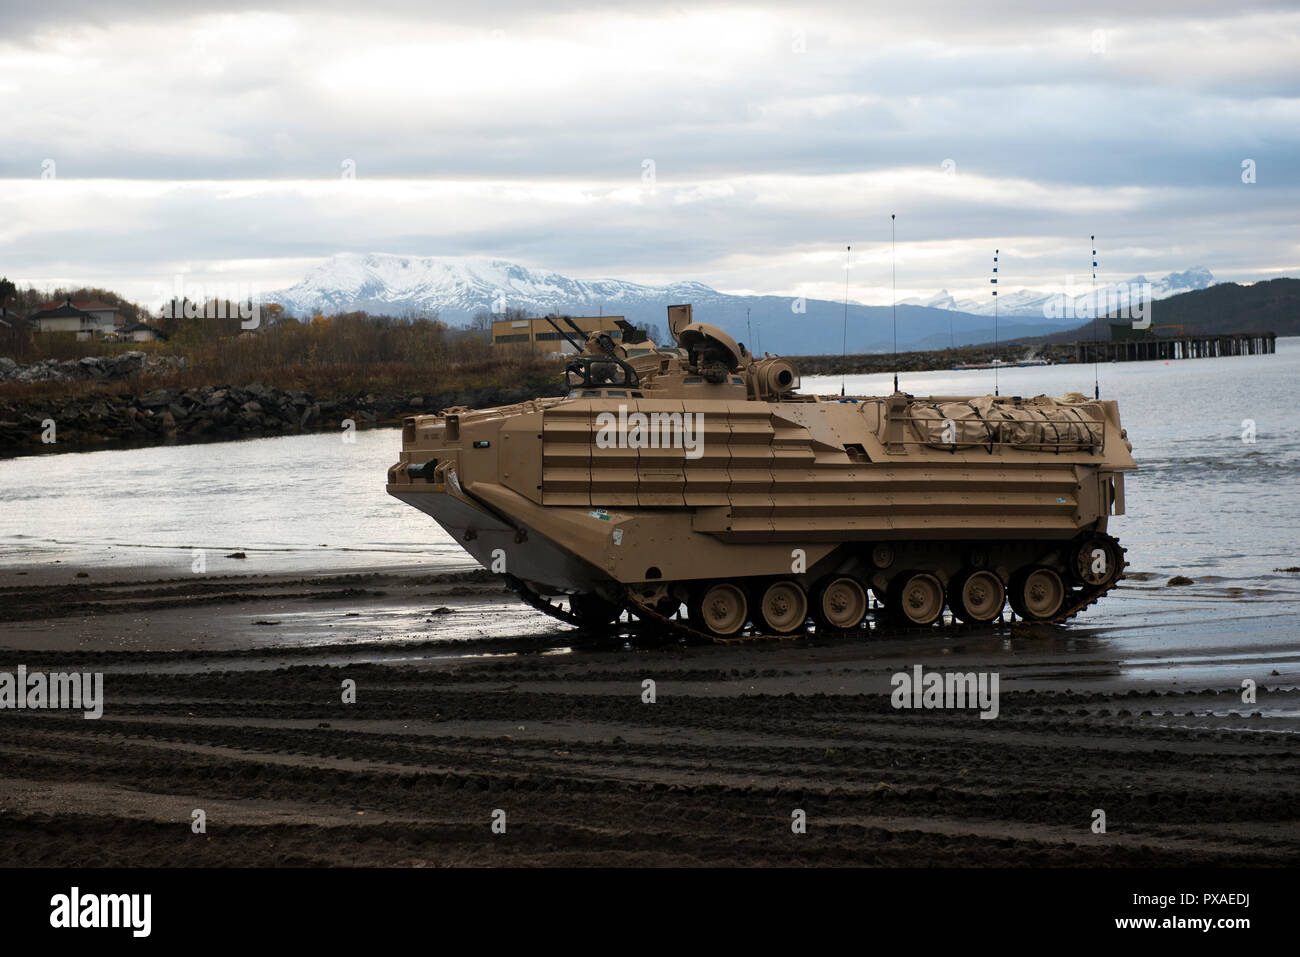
point(213, 380)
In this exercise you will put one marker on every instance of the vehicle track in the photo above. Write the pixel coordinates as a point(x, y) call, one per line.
point(588, 774)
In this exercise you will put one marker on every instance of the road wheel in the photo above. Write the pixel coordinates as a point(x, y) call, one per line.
point(783, 607)
point(976, 597)
point(1037, 593)
point(1097, 561)
point(840, 604)
point(916, 598)
point(720, 609)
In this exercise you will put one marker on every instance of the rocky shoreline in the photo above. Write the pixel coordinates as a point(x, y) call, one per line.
point(90, 368)
point(213, 413)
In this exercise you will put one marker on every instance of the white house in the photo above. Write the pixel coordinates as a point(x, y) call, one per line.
point(85, 317)
point(139, 332)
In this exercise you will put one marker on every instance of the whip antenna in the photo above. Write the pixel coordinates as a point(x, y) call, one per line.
point(844, 347)
point(749, 333)
point(1096, 383)
point(994, 281)
point(893, 277)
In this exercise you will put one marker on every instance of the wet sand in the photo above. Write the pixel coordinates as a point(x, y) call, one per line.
point(223, 693)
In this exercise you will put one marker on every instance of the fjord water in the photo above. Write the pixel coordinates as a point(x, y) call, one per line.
point(292, 503)
point(1206, 503)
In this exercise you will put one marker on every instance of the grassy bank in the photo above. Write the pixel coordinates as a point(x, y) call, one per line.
point(350, 351)
point(335, 379)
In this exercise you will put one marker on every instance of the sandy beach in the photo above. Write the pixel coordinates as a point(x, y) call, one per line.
point(224, 693)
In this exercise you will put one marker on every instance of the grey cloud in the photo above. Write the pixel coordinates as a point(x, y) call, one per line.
point(992, 88)
point(1031, 114)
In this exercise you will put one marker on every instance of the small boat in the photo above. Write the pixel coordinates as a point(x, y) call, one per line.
point(999, 364)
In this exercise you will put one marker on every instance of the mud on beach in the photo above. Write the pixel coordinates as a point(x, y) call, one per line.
point(225, 695)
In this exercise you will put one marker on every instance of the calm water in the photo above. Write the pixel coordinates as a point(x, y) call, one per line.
point(1204, 503)
point(302, 502)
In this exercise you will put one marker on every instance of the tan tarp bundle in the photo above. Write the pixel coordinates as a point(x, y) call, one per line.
point(1048, 425)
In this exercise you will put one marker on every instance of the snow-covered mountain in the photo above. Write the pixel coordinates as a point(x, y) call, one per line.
point(1032, 302)
point(455, 288)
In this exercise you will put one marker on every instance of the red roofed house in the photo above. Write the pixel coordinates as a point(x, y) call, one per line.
point(85, 317)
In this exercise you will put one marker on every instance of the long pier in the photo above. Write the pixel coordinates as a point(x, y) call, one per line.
point(1177, 347)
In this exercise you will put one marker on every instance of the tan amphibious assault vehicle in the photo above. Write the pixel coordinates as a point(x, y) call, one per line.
point(694, 489)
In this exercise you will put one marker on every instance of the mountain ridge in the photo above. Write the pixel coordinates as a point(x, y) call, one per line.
point(1269, 305)
point(1026, 303)
point(458, 287)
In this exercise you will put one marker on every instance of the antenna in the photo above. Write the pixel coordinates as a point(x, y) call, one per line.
point(748, 331)
point(844, 347)
point(994, 281)
point(576, 347)
point(1096, 344)
point(893, 276)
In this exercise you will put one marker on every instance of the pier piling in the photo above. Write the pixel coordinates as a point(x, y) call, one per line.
point(1177, 347)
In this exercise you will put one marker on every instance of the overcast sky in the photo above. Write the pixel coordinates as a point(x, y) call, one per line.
point(739, 145)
